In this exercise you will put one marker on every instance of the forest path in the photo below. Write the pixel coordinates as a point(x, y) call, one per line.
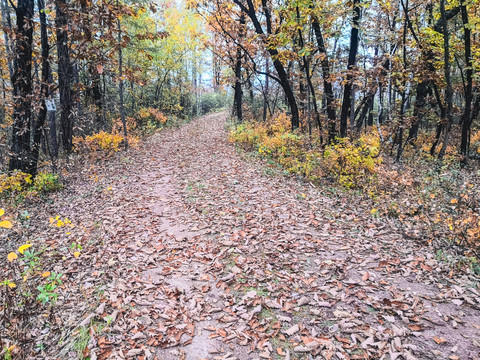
point(208, 255)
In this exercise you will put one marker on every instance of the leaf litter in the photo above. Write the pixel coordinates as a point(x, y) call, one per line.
point(196, 253)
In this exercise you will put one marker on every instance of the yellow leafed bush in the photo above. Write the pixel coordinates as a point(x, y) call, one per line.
point(101, 141)
point(15, 183)
point(352, 164)
point(21, 184)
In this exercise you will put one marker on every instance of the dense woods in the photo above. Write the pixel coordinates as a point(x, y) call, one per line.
point(239, 179)
point(406, 67)
point(342, 67)
point(74, 68)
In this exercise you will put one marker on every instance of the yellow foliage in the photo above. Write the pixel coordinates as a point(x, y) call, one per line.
point(58, 222)
point(475, 141)
point(149, 119)
point(101, 141)
point(5, 224)
point(20, 183)
point(352, 164)
point(14, 184)
point(24, 247)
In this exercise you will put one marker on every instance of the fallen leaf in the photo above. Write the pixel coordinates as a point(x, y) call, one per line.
point(415, 327)
point(6, 224)
point(295, 328)
point(12, 256)
point(439, 340)
point(24, 247)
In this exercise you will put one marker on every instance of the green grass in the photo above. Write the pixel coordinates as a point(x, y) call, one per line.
point(261, 291)
point(81, 341)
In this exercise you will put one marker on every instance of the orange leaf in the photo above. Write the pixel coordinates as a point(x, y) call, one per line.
point(439, 340)
point(415, 327)
point(12, 256)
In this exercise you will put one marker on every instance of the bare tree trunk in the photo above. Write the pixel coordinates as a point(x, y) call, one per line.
point(21, 158)
point(238, 76)
point(466, 117)
point(448, 90)
point(64, 75)
point(45, 91)
point(352, 57)
point(120, 84)
point(265, 95)
point(7, 24)
point(327, 85)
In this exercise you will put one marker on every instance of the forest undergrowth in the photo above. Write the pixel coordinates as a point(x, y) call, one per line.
point(436, 202)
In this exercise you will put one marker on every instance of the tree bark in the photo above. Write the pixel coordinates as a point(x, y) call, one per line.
point(120, 84)
point(93, 92)
point(352, 57)
point(45, 89)
point(266, 92)
point(21, 158)
point(238, 76)
point(64, 75)
point(466, 117)
point(284, 82)
point(7, 23)
point(327, 84)
point(448, 90)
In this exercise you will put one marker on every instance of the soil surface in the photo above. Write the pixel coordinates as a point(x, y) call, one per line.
point(192, 249)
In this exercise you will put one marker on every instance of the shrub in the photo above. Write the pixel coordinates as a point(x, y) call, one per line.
point(475, 142)
point(20, 184)
point(149, 119)
point(14, 184)
point(29, 289)
point(46, 182)
point(130, 122)
point(212, 101)
point(101, 141)
point(352, 164)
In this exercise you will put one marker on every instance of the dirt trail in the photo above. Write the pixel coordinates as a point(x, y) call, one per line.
point(207, 255)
